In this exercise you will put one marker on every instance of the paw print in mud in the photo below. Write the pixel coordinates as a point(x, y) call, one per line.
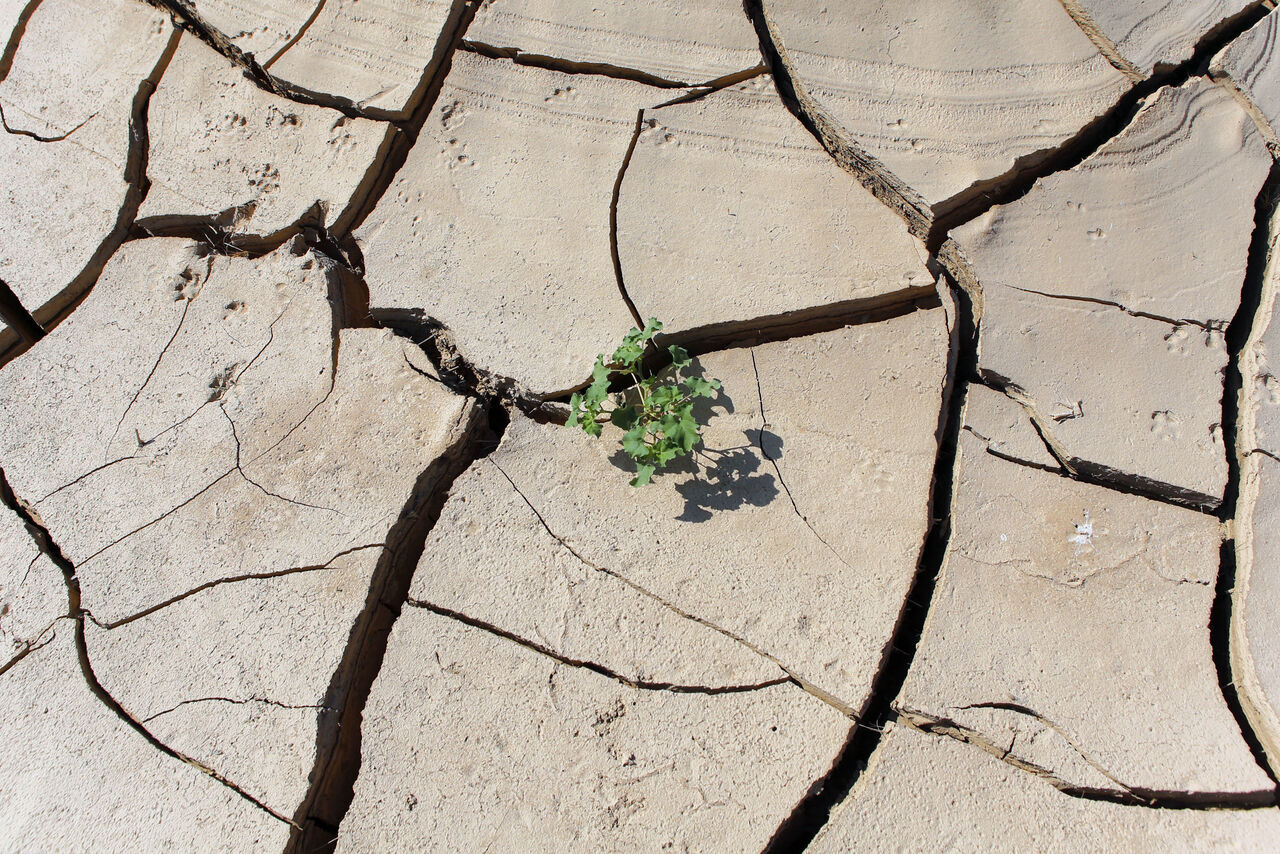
point(1166, 425)
point(874, 476)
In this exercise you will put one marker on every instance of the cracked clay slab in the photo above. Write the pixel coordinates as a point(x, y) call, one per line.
point(730, 211)
point(498, 226)
point(946, 94)
point(221, 148)
point(523, 752)
point(491, 558)
point(199, 441)
point(1070, 628)
point(1150, 34)
point(375, 55)
point(807, 561)
point(687, 43)
point(931, 793)
point(78, 776)
point(1128, 225)
point(67, 102)
point(1006, 428)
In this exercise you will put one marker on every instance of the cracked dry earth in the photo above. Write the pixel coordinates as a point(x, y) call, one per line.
point(982, 550)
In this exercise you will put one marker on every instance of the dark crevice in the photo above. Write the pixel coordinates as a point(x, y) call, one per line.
point(1002, 190)
point(332, 781)
point(397, 146)
point(49, 547)
point(1128, 796)
point(739, 334)
point(1237, 337)
point(17, 317)
point(15, 37)
point(811, 814)
point(594, 667)
point(702, 90)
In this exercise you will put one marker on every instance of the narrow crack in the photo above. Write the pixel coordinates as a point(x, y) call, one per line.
point(155, 366)
point(764, 426)
point(232, 701)
point(613, 221)
point(49, 547)
point(232, 579)
point(4, 122)
point(166, 514)
point(1206, 325)
point(235, 435)
point(41, 639)
point(297, 37)
point(594, 667)
point(1020, 709)
point(73, 482)
point(811, 814)
point(569, 66)
point(1127, 796)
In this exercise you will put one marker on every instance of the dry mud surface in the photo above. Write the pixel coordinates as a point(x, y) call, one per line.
point(981, 551)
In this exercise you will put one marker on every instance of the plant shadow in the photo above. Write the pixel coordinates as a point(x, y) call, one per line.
point(720, 479)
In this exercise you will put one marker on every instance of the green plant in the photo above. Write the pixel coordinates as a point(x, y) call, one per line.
point(655, 411)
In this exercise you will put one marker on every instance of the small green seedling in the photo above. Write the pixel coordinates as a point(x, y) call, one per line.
point(656, 413)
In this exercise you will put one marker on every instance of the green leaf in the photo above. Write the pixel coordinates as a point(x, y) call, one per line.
point(575, 405)
point(699, 387)
point(655, 415)
point(633, 441)
point(625, 417)
point(643, 473)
